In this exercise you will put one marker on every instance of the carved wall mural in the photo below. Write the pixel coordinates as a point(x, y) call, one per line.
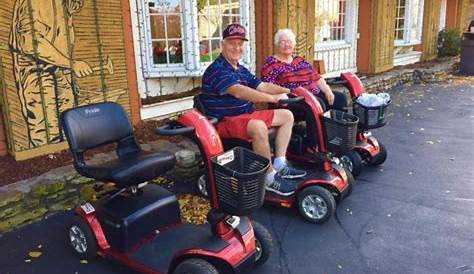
point(54, 55)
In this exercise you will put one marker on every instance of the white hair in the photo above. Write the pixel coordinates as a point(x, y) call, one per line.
point(288, 32)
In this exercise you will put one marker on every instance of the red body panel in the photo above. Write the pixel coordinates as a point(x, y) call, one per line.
point(368, 144)
point(355, 86)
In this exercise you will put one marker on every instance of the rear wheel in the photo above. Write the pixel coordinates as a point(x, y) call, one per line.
point(352, 161)
point(195, 266)
point(316, 204)
point(263, 242)
point(380, 157)
point(82, 239)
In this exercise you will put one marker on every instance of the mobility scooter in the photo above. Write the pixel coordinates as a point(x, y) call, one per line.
point(367, 150)
point(139, 224)
point(317, 192)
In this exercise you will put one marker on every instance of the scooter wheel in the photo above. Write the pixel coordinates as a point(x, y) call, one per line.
point(316, 204)
point(195, 266)
point(83, 241)
point(380, 157)
point(264, 243)
point(351, 182)
point(352, 161)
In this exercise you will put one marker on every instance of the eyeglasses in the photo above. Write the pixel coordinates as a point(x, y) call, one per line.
point(285, 42)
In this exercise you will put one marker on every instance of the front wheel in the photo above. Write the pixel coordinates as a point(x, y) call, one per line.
point(352, 161)
point(316, 204)
point(81, 238)
point(195, 266)
point(380, 157)
point(263, 243)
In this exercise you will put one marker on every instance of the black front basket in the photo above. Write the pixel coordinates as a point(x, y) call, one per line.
point(340, 129)
point(239, 175)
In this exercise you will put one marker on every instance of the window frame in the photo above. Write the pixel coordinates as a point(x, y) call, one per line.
point(191, 66)
point(407, 41)
point(350, 20)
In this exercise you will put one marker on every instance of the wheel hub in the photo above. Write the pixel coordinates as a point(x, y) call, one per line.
point(347, 163)
point(315, 207)
point(258, 250)
point(202, 186)
point(78, 239)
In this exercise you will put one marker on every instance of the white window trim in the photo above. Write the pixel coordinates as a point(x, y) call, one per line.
point(408, 24)
point(191, 67)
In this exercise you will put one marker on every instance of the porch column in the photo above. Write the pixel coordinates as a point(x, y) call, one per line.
point(429, 37)
point(264, 31)
point(297, 15)
point(3, 136)
point(376, 35)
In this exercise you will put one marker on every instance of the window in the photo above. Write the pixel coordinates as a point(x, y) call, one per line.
point(408, 22)
point(181, 37)
point(330, 20)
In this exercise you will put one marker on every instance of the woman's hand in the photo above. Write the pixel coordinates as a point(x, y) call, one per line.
point(330, 97)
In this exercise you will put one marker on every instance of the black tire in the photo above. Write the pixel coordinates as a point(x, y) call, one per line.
point(351, 182)
point(195, 266)
point(325, 200)
point(264, 243)
point(352, 161)
point(82, 239)
point(380, 157)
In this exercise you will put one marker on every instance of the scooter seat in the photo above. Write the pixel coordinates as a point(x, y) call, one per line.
point(131, 168)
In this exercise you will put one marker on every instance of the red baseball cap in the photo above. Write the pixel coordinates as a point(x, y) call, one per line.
point(234, 31)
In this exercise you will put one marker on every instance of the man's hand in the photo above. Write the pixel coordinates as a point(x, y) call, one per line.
point(81, 69)
point(278, 97)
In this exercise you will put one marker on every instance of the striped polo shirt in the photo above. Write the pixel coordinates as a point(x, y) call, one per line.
point(219, 76)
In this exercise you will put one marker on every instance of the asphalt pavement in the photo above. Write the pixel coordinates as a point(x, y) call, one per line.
point(413, 214)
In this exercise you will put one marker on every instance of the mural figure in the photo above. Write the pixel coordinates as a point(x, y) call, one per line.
point(41, 41)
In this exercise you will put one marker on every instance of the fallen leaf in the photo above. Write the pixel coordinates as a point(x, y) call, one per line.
point(410, 173)
point(370, 231)
point(389, 215)
point(40, 246)
point(430, 142)
point(339, 266)
point(447, 191)
point(430, 108)
point(34, 254)
point(452, 158)
point(422, 129)
point(83, 261)
point(27, 261)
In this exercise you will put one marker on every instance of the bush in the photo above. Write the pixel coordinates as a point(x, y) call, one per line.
point(449, 43)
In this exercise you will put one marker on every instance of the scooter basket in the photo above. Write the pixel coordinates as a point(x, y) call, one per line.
point(239, 175)
point(370, 117)
point(340, 130)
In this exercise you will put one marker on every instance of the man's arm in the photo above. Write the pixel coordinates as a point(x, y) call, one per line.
point(270, 88)
point(245, 93)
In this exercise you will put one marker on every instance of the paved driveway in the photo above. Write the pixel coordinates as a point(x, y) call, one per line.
point(414, 214)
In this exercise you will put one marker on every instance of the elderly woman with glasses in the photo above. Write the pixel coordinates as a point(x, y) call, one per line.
point(288, 70)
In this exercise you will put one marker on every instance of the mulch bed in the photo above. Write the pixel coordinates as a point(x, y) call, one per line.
point(12, 171)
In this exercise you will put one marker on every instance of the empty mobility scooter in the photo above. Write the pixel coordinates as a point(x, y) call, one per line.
point(369, 151)
point(138, 224)
point(317, 192)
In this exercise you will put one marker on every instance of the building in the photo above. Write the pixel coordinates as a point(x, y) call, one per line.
point(55, 54)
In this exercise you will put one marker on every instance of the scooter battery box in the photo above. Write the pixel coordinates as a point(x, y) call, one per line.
point(128, 218)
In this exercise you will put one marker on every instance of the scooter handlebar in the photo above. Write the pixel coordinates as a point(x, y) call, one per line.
point(336, 81)
point(291, 100)
point(174, 128)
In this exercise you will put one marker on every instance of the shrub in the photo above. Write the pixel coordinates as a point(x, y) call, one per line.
point(449, 43)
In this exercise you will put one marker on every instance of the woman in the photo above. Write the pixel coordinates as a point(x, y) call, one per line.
point(291, 71)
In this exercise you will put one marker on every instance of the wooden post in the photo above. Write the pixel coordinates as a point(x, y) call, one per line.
point(430, 30)
point(377, 34)
point(3, 138)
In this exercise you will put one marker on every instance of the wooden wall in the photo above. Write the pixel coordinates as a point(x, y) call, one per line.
point(382, 29)
point(93, 34)
point(297, 15)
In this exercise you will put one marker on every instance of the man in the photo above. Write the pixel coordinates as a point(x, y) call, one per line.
point(230, 92)
point(41, 42)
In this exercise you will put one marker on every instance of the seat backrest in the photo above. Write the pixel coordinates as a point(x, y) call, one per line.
point(94, 125)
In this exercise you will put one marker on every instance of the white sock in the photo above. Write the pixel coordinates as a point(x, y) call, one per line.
point(279, 162)
point(270, 177)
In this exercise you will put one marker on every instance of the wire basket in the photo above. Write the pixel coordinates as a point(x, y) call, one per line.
point(370, 117)
point(340, 130)
point(239, 175)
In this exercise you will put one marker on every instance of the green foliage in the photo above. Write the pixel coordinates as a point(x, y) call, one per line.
point(449, 43)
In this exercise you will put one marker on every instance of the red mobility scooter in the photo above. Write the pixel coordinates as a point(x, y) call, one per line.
point(367, 150)
point(139, 224)
point(317, 192)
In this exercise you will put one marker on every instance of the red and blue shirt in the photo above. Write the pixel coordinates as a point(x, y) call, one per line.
point(217, 78)
point(298, 73)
